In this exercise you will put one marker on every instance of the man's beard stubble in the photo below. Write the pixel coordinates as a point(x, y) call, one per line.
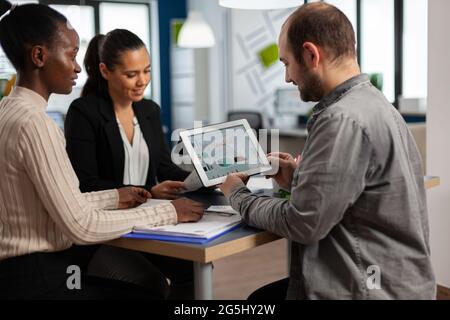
point(311, 90)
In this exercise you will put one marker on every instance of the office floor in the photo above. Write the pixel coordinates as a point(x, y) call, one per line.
point(236, 277)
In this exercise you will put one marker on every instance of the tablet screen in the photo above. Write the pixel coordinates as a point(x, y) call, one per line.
point(225, 151)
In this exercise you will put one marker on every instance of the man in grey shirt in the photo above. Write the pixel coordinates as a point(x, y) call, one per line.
point(357, 216)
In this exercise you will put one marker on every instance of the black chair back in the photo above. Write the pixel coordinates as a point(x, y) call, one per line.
point(254, 118)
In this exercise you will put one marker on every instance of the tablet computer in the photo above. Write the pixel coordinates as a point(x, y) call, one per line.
point(221, 149)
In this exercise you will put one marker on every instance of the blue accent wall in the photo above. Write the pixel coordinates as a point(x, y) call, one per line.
point(414, 119)
point(167, 10)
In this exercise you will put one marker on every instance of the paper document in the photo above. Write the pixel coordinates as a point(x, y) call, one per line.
point(259, 183)
point(212, 224)
point(153, 203)
point(222, 209)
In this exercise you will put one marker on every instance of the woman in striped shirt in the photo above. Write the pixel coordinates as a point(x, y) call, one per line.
point(42, 211)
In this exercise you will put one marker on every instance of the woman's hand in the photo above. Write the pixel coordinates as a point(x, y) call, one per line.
point(168, 190)
point(131, 197)
point(188, 210)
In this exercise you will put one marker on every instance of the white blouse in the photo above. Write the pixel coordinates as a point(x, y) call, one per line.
point(137, 156)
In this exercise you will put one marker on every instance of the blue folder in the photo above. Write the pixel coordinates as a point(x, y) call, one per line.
point(181, 239)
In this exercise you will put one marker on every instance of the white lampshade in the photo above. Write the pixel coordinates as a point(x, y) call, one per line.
point(260, 4)
point(195, 32)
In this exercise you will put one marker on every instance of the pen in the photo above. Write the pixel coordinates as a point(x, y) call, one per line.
point(223, 214)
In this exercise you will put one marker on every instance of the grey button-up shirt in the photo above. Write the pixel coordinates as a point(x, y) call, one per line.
point(357, 212)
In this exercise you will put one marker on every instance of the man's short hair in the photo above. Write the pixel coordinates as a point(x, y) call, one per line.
point(323, 25)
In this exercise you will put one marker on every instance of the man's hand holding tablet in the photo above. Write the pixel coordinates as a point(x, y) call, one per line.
point(232, 182)
point(286, 165)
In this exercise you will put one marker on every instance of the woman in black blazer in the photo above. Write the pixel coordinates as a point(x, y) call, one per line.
point(95, 146)
point(111, 117)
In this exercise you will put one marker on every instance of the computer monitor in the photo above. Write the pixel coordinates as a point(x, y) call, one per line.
point(288, 103)
point(58, 117)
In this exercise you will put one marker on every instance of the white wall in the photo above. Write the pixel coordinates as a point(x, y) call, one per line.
point(439, 135)
point(235, 79)
point(253, 85)
point(212, 80)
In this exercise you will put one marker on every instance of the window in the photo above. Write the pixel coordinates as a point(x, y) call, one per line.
point(90, 17)
point(82, 20)
point(97, 17)
point(94, 17)
point(415, 55)
point(6, 69)
point(393, 42)
point(377, 42)
point(349, 8)
point(133, 17)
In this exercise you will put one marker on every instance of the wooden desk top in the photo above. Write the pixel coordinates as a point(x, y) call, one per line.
point(239, 240)
point(432, 182)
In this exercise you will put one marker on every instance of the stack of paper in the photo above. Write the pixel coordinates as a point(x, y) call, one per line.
point(214, 223)
point(224, 210)
point(153, 203)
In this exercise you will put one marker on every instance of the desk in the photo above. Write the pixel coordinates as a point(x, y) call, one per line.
point(432, 182)
point(203, 255)
point(239, 240)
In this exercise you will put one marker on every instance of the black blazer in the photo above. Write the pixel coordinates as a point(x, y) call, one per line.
point(96, 150)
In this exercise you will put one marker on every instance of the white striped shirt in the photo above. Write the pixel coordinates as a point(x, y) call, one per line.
point(41, 206)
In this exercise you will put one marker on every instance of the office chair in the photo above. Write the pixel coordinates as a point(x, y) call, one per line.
point(254, 118)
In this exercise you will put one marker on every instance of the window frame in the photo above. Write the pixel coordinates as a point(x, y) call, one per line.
point(96, 5)
point(398, 43)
